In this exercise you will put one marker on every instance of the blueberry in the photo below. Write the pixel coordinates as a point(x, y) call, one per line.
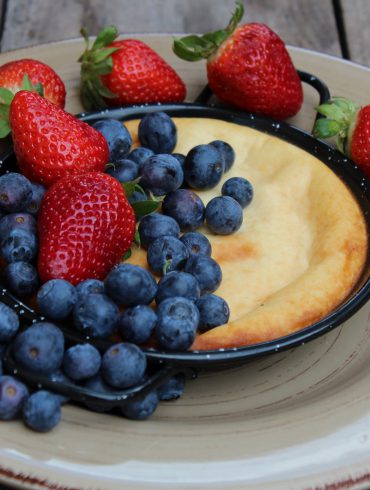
point(239, 189)
point(141, 407)
point(140, 155)
point(226, 152)
point(177, 284)
point(167, 254)
point(186, 207)
point(123, 170)
point(203, 167)
point(130, 285)
point(13, 394)
point(56, 299)
point(96, 315)
point(117, 136)
point(89, 286)
point(155, 225)
point(40, 348)
point(21, 278)
point(41, 411)
point(137, 324)
point(22, 221)
point(38, 191)
point(15, 192)
point(3, 349)
point(81, 361)
point(180, 157)
point(213, 310)
point(123, 365)
point(224, 215)
point(172, 388)
point(158, 132)
point(161, 174)
point(97, 384)
point(178, 320)
point(196, 243)
point(9, 323)
point(206, 270)
point(19, 245)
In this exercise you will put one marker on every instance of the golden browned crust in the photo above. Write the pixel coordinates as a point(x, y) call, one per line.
point(302, 245)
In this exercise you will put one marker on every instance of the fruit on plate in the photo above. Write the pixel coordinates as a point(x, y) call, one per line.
point(115, 73)
point(350, 123)
point(248, 67)
point(85, 227)
point(50, 143)
point(12, 75)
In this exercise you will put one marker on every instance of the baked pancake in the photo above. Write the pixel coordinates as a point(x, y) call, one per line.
point(303, 242)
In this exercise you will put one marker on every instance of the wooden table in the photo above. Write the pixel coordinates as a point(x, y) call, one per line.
point(337, 27)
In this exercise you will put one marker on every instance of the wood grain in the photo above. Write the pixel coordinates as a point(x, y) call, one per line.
point(356, 14)
point(28, 22)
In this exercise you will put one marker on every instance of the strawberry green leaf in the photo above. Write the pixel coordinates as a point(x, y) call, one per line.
point(102, 54)
point(331, 111)
point(4, 111)
point(4, 128)
point(127, 255)
point(6, 95)
point(106, 36)
point(326, 128)
point(137, 240)
point(39, 89)
point(235, 18)
point(145, 207)
point(129, 187)
point(26, 83)
point(166, 266)
point(85, 35)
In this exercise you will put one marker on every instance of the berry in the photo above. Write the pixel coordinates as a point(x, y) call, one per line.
point(13, 394)
point(38, 191)
point(9, 323)
point(203, 167)
point(158, 132)
point(129, 285)
point(207, 272)
point(56, 299)
point(81, 361)
point(21, 278)
point(172, 388)
point(22, 221)
point(40, 348)
point(97, 384)
point(157, 225)
point(137, 324)
point(178, 284)
point(96, 315)
point(141, 407)
point(15, 192)
point(186, 207)
point(19, 245)
point(140, 155)
point(89, 286)
point(224, 215)
point(196, 243)
point(41, 411)
point(123, 365)
point(124, 170)
point(161, 174)
point(213, 310)
point(178, 319)
point(180, 157)
point(117, 136)
point(226, 151)
point(167, 254)
point(239, 189)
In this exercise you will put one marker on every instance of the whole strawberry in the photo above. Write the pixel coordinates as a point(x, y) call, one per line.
point(50, 143)
point(12, 75)
point(116, 73)
point(247, 67)
point(350, 123)
point(85, 225)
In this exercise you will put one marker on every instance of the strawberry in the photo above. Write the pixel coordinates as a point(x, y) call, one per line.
point(247, 67)
point(12, 74)
point(85, 225)
point(350, 123)
point(50, 143)
point(115, 73)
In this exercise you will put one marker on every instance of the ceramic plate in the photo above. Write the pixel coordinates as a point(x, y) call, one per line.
point(298, 419)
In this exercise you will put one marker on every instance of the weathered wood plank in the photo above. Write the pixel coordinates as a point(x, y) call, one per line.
point(356, 14)
point(307, 24)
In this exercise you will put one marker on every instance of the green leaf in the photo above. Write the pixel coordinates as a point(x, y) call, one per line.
point(331, 111)
point(127, 255)
point(85, 35)
point(103, 68)
point(106, 36)
point(26, 83)
point(39, 89)
point(6, 95)
point(129, 187)
point(326, 128)
point(166, 266)
point(4, 128)
point(142, 208)
point(193, 48)
point(4, 111)
point(235, 18)
point(101, 89)
point(137, 240)
point(101, 54)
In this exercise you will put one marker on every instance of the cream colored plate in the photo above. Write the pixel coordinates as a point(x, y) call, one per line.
point(298, 420)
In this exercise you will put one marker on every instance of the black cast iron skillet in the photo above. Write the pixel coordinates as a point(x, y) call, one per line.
point(162, 364)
